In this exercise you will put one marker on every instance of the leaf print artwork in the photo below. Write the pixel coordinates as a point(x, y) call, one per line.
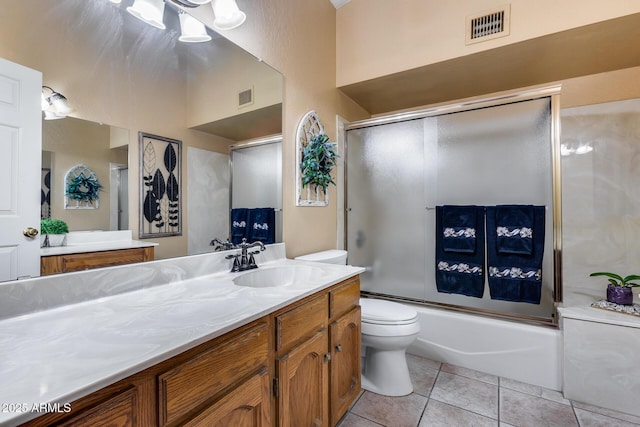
point(160, 183)
point(170, 158)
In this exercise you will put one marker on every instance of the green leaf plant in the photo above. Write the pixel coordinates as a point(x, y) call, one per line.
point(53, 226)
point(619, 281)
point(318, 160)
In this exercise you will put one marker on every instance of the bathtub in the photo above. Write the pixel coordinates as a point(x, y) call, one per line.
point(527, 353)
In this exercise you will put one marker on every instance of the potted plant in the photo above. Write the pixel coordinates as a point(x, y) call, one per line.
point(318, 159)
point(619, 290)
point(54, 231)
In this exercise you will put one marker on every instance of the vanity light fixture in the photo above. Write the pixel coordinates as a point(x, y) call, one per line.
point(228, 15)
point(192, 30)
point(149, 11)
point(55, 105)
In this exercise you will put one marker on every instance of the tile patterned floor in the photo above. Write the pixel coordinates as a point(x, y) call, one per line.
point(451, 396)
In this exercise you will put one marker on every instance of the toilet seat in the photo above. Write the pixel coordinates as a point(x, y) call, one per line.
point(381, 312)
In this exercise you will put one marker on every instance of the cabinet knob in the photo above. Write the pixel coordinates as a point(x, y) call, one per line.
point(327, 357)
point(339, 348)
point(30, 232)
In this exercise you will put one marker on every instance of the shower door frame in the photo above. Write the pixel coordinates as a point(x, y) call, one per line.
point(528, 94)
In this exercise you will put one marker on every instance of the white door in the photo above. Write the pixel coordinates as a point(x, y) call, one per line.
point(20, 163)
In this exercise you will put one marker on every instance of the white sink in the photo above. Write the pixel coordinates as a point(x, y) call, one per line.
point(285, 275)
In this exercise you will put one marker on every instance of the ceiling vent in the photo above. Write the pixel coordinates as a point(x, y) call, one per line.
point(245, 97)
point(489, 25)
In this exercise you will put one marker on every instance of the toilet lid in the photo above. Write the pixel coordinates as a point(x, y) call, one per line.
point(383, 312)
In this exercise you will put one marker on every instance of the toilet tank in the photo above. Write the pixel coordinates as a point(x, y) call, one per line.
point(332, 256)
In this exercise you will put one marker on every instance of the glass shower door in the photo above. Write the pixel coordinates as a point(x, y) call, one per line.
point(385, 207)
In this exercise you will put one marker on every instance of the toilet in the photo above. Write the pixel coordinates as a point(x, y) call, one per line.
point(388, 328)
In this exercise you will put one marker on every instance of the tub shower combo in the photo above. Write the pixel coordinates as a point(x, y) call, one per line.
point(458, 207)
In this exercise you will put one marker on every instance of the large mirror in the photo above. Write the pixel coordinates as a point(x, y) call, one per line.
point(123, 77)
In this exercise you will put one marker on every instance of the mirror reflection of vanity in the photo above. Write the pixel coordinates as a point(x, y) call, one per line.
point(119, 71)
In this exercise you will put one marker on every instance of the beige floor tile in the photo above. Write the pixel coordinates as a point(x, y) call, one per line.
point(608, 412)
point(525, 410)
point(591, 419)
point(534, 390)
point(404, 411)
point(466, 393)
point(423, 376)
point(470, 373)
point(352, 420)
point(428, 363)
point(440, 414)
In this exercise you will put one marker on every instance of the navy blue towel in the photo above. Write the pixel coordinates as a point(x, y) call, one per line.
point(459, 225)
point(515, 276)
point(514, 226)
point(460, 272)
point(262, 225)
point(238, 225)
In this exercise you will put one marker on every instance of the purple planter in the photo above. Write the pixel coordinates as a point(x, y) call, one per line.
point(618, 295)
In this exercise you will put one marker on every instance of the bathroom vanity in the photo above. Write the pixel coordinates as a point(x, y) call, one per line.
point(199, 349)
point(87, 250)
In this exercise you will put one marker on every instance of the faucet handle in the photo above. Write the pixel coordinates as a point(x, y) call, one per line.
point(236, 263)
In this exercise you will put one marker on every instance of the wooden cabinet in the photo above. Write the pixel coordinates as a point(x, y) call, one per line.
point(246, 406)
point(318, 369)
point(188, 386)
point(118, 411)
point(345, 347)
point(299, 366)
point(344, 341)
point(54, 264)
point(303, 383)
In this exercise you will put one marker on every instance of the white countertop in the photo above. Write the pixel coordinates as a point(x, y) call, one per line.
point(96, 241)
point(94, 247)
point(57, 352)
point(592, 314)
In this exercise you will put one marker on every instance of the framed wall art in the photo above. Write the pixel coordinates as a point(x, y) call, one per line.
point(82, 188)
point(160, 186)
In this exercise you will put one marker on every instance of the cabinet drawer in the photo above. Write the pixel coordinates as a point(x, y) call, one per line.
point(301, 322)
point(87, 261)
point(344, 297)
point(188, 385)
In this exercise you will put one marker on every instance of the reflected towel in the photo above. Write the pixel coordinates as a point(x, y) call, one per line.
point(459, 228)
point(515, 277)
point(460, 272)
point(514, 228)
point(238, 225)
point(262, 225)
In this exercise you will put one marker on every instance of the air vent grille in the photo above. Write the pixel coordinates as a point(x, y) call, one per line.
point(245, 97)
point(488, 25)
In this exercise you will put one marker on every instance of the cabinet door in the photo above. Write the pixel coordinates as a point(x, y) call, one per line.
point(345, 362)
point(118, 411)
point(246, 406)
point(303, 384)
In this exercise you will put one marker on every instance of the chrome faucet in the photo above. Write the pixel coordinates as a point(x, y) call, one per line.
point(220, 245)
point(246, 261)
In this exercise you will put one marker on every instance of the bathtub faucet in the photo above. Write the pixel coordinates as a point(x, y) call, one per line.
point(247, 261)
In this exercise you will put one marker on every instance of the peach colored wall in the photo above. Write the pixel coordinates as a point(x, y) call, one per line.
point(380, 37)
point(75, 141)
point(213, 99)
point(298, 38)
point(598, 88)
